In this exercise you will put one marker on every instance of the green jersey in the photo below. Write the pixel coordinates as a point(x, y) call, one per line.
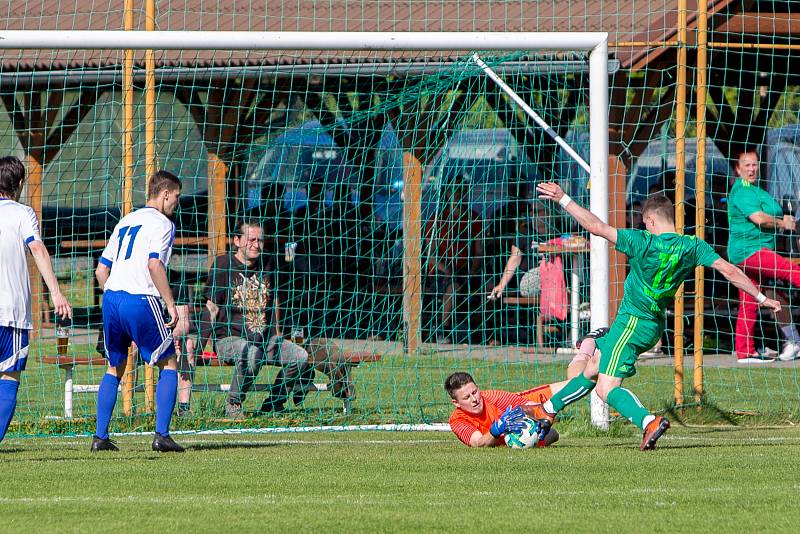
point(746, 237)
point(659, 265)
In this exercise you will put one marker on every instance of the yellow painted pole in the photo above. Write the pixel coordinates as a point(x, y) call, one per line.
point(680, 181)
point(129, 378)
point(700, 185)
point(150, 156)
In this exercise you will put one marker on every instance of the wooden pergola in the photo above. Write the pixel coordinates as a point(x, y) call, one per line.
point(674, 60)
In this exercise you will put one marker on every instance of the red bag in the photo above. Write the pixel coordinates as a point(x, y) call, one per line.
point(553, 300)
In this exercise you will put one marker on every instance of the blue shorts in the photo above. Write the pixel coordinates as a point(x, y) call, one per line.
point(13, 349)
point(136, 318)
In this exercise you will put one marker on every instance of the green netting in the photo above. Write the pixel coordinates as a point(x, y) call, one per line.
point(319, 147)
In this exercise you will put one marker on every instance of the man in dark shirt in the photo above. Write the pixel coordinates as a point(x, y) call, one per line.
point(243, 316)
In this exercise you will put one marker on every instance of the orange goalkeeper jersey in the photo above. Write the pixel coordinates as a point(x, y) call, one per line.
point(495, 402)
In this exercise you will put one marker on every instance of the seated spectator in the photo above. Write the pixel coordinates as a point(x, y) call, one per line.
point(455, 246)
point(181, 332)
point(243, 316)
point(521, 241)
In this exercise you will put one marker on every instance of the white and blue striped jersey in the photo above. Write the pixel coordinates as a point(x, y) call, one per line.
point(146, 233)
point(18, 227)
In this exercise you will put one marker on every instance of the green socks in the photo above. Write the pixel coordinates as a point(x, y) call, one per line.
point(575, 389)
point(628, 405)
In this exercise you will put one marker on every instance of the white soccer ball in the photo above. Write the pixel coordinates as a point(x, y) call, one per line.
point(527, 438)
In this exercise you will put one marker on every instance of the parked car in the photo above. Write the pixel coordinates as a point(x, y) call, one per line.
point(783, 162)
point(660, 158)
point(308, 154)
point(489, 160)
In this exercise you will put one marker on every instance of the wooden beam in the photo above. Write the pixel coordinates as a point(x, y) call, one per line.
point(18, 119)
point(72, 118)
point(412, 250)
point(34, 189)
point(617, 262)
point(763, 24)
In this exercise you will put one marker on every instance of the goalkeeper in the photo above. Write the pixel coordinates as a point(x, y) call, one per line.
point(481, 418)
point(661, 259)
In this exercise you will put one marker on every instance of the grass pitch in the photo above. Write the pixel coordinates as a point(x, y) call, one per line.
point(710, 479)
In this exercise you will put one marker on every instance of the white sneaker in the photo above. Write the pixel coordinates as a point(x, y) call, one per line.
point(769, 352)
point(755, 358)
point(791, 351)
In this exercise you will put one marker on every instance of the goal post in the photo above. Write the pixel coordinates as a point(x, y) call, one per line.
point(465, 43)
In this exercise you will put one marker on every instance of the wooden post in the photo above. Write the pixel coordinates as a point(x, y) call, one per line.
point(700, 178)
point(129, 378)
point(412, 249)
point(680, 181)
point(217, 172)
point(617, 176)
point(34, 186)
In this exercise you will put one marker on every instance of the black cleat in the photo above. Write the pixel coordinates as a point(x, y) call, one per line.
point(652, 432)
point(99, 444)
point(165, 444)
point(594, 334)
point(272, 406)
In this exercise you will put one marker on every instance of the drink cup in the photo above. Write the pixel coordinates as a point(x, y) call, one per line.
point(62, 339)
point(290, 251)
point(298, 336)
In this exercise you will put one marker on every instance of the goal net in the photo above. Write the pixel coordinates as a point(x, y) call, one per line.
point(393, 177)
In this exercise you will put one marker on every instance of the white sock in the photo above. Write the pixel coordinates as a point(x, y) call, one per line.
point(647, 419)
point(548, 407)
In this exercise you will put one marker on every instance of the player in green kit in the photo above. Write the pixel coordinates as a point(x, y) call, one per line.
point(660, 260)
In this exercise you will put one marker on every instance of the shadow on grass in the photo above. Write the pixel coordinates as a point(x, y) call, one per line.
point(96, 457)
point(232, 445)
point(704, 413)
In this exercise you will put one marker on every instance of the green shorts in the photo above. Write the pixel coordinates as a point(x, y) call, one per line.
point(628, 338)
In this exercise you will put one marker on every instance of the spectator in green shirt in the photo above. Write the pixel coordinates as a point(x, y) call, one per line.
point(754, 218)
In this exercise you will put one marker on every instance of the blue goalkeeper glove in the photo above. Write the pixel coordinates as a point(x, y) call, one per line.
point(510, 422)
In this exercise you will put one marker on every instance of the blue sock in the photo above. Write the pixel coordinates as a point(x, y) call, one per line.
point(166, 394)
point(106, 399)
point(8, 403)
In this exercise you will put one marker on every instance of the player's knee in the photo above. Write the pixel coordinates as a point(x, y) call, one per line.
point(10, 375)
point(603, 390)
point(117, 371)
point(170, 363)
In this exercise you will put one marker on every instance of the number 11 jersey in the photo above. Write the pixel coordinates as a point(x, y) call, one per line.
point(139, 236)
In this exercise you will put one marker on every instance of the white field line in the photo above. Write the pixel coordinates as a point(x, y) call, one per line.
point(245, 443)
point(434, 427)
point(317, 500)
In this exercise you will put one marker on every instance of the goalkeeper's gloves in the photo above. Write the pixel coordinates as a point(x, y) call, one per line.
point(510, 422)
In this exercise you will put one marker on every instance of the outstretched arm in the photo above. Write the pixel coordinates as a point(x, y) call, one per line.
point(508, 272)
point(588, 220)
point(741, 281)
point(766, 221)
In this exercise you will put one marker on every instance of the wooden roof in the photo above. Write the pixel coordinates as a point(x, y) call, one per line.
point(625, 20)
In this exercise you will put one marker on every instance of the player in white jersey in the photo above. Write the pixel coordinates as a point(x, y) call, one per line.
point(19, 228)
point(133, 274)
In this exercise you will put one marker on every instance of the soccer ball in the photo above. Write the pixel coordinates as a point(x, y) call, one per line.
point(527, 438)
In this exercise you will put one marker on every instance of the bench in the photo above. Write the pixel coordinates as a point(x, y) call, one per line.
point(67, 363)
point(339, 371)
point(514, 299)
